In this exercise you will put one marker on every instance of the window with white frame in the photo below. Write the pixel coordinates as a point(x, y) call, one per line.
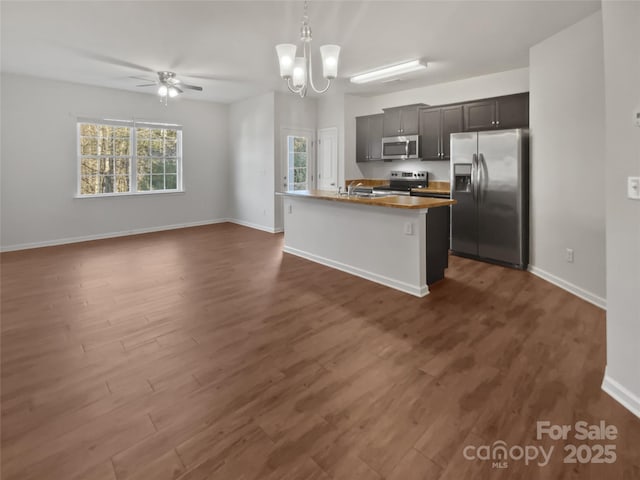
point(120, 157)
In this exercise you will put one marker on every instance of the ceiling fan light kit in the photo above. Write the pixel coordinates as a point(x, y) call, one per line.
point(390, 71)
point(298, 71)
point(169, 86)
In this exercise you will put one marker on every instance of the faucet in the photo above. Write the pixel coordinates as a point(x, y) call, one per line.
point(352, 187)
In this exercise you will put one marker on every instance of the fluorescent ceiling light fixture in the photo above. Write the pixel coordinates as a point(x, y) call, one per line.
point(386, 72)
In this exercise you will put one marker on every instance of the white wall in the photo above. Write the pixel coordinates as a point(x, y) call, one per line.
point(567, 165)
point(621, 23)
point(39, 163)
point(252, 161)
point(485, 86)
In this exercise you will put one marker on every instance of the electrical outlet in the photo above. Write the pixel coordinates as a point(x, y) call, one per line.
point(569, 255)
point(633, 188)
point(408, 228)
point(290, 209)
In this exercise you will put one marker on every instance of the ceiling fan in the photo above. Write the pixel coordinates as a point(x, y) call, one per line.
point(168, 85)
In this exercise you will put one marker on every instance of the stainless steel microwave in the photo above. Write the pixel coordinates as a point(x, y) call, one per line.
point(401, 148)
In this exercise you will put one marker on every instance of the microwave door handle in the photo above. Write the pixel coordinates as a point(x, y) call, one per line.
point(406, 149)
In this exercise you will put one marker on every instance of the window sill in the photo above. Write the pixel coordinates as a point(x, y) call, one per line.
point(133, 194)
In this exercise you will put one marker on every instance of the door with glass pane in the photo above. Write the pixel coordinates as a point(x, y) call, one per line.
point(298, 174)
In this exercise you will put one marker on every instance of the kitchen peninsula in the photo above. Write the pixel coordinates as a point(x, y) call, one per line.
point(397, 241)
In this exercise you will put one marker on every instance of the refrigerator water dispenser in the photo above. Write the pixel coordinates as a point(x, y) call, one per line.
point(462, 177)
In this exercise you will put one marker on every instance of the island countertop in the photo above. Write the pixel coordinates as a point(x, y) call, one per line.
point(391, 201)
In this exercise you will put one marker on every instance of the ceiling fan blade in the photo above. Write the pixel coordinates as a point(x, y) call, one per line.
point(178, 89)
point(146, 79)
point(108, 59)
point(146, 85)
point(191, 87)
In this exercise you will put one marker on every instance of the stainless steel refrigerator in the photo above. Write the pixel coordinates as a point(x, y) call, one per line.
point(490, 182)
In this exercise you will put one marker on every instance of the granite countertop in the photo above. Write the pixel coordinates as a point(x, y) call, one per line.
point(391, 201)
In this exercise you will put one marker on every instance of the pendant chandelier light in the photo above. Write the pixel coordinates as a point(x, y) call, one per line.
point(298, 71)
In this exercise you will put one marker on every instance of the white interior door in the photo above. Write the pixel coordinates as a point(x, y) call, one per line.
point(297, 159)
point(327, 163)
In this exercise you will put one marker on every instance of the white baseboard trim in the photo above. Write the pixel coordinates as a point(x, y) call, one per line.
point(621, 395)
point(102, 236)
point(569, 287)
point(374, 277)
point(264, 228)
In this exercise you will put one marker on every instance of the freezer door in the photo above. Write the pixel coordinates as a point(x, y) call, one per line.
point(464, 214)
point(500, 196)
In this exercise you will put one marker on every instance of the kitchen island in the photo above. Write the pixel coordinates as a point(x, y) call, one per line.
point(397, 241)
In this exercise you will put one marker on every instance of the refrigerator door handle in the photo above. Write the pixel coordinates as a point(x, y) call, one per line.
point(474, 174)
point(480, 176)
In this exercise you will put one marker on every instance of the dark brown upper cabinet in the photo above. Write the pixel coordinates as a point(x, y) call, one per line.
point(436, 125)
point(369, 138)
point(399, 121)
point(510, 111)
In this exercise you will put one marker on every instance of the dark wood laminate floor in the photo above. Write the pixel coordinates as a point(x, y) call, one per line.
point(207, 353)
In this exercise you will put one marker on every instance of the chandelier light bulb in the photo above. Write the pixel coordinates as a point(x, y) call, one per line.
point(173, 92)
point(330, 55)
point(162, 91)
point(286, 55)
point(299, 73)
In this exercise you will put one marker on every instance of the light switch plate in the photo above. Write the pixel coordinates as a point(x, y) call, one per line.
point(633, 188)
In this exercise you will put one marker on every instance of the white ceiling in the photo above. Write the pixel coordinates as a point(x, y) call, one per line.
point(228, 46)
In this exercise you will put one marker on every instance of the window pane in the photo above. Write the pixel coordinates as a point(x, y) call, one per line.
point(142, 133)
point(299, 144)
point(171, 182)
point(88, 166)
point(156, 148)
point(170, 147)
point(143, 148)
point(121, 146)
point(300, 160)
point(88, 129)
point(300, 175)
point(105, 146)
point(88, 146)
point(89, 185)
point(122, 166)
point(171, 165)
point(121, 132)
point(122, 183)
point(157, 165)
point(106, 166)
point(171, 135)
point(157, 182)
point(144, 166)
point(144, 182)
point(106, 131)
point(107, 184)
